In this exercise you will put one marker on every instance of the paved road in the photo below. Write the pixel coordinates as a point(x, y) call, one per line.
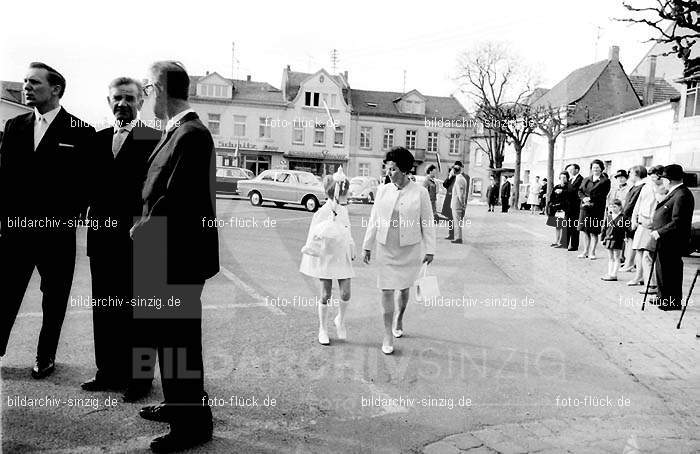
point(528, 352)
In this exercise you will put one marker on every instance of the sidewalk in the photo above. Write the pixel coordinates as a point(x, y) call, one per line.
point(643, 344)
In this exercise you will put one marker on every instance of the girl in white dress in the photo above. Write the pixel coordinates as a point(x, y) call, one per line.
point(329, 251)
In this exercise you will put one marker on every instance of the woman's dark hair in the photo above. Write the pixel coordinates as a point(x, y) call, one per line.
point(430, 168)
point(565, 173)
point(600, 164)
point(656, 170)
point(402, 157)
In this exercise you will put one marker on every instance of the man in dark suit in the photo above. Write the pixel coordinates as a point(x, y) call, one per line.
point(43, 166)
point(505, 195)
point(637, 174)
point(447, 203)
point(176, 251)
point(121, 153)
point(572, 230)
point(671, 227)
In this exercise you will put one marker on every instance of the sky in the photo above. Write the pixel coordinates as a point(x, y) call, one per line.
point(90, 43)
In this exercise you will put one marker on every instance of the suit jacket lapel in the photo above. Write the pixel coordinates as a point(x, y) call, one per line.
point(51, 136)
point(163, 140)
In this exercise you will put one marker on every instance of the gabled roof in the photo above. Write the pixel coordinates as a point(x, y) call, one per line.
point(435, 106)
point(412, 92)
point(536, 94)
point(663, 91)
point(296, 78)
point(11, 91)
point(244, 90)
point(574, 86)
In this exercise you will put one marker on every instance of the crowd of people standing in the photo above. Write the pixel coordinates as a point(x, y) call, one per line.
point(643, 223)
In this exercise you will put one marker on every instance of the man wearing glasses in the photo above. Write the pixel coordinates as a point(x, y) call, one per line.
point(176, 251)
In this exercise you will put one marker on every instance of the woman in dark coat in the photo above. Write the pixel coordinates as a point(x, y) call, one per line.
point(557, 207)
point(492, 193)
point(593, 194)
point(446, 204)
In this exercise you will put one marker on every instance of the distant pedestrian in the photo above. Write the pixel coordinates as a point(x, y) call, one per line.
point(575, 179)
point(460, 189)
point(329, 251)
point(431, 186)
point(492, 193)
point(614, 238)
point(505, 195)
point(533, 198)
point(592, 193)
point(542, 196)
point(671, 228)
point(401, 230)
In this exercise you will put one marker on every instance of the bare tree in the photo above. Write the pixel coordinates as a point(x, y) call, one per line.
point(498, 82)
point(551, 121)
point(677, 23)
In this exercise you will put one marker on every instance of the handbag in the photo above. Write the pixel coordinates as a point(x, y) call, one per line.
point(427, 288)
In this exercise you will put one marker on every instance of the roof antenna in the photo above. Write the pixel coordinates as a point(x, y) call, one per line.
point(404, 82)
point(334, 60)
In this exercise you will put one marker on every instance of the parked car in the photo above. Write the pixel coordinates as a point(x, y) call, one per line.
point(227, 179)
point(695, 226)
point(441, 191)
point(363, 189)
point(284, 187)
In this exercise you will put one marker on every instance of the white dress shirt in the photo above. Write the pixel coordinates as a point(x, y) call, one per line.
point(173, 122)
point(42, 123)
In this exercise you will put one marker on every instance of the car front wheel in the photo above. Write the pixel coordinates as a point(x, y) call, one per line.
point(311, 204)
point(255, 199)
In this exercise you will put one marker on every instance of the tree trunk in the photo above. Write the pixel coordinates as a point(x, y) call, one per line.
point(550, 165)
point(516, 177)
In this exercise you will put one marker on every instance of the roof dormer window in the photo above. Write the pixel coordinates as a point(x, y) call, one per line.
point(213, 91)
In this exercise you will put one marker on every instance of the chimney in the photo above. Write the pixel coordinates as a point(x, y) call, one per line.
point(650, 82)
point(289, 68)
point(346, 77)
point(247, 78)
point(207, 73)
point(614, 53)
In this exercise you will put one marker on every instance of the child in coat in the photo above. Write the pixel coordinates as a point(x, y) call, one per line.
point(329, 251)
point(614, 238)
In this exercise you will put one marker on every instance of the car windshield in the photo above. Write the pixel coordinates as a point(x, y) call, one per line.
point(307, 178)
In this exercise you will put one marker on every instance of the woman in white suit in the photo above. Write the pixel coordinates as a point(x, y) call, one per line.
point(401, 229)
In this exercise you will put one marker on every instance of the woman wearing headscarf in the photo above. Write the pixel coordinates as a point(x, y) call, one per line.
point(593, 194)
point(402, 232)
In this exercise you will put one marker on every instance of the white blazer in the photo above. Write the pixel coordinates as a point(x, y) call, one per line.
point(416, 221)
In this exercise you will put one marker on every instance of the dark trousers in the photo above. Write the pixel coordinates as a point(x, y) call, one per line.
point(53, 254)
point(572, 230)
point(504, 205)
point(669, 274)
point(112, 315)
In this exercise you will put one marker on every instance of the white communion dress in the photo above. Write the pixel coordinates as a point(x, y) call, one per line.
point(329, 246)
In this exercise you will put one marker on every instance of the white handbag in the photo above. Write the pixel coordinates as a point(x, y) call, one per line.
point(427, 288)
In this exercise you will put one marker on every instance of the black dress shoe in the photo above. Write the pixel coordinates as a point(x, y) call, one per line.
point(43, 367)
point(572, 249)
point(179, 439)
point(456, 241)
point(136, 392)
point(669, 307)
point(157, 413)
point(449, 238)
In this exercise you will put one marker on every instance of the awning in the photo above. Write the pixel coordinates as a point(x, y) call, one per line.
point(317, 155)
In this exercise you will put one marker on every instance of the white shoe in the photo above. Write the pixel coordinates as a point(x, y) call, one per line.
point(323, 338)
point(340, 329)
point(387, 349)
point(397, 333)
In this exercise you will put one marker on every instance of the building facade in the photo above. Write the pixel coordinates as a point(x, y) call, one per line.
point(12, 102)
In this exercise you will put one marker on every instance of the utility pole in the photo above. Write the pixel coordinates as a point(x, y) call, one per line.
point(597, 40)
point(334, 60)
point(233, 59)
